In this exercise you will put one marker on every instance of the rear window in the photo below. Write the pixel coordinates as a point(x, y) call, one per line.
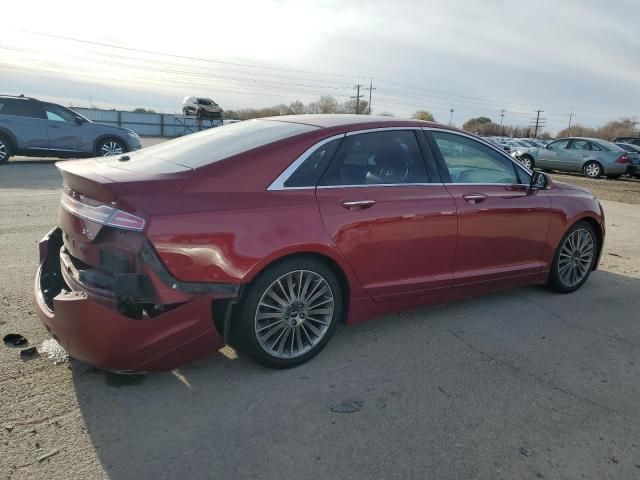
point(218, 143)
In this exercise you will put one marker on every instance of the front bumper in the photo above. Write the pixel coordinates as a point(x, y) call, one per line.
point(102, 336)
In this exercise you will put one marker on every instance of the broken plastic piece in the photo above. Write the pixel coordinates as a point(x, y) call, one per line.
point(29, 352)
point(14, 340)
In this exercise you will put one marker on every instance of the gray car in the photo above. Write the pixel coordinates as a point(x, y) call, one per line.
point(41, 129)
point(591, 156)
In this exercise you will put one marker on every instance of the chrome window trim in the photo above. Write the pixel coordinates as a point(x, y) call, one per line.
point(323, 187)
point(381, 129)
point(484, 142)
point(278, 183)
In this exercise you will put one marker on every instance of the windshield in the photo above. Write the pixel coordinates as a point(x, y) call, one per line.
point(215, 144)
point(205, 101)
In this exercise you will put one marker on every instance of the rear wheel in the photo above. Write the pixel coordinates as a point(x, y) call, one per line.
point(574, 259)
point(111, 146)
point(5, 150)
point(289, 313)
point(592, 169)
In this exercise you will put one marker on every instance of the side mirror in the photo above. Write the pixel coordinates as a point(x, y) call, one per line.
point(539, 181)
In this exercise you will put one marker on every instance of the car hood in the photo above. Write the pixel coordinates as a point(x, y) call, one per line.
point(568, 186)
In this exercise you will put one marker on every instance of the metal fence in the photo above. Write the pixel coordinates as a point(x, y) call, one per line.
point(150, 124)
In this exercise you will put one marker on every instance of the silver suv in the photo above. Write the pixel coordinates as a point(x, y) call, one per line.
point(40, 129)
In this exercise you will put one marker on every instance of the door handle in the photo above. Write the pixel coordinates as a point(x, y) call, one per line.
point(474, 198)
point(358, 204)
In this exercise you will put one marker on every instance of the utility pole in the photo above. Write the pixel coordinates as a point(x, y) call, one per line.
point(370, 89)
point(451, 116)
point(357, 97)
point(538, 123)
point(571, 115)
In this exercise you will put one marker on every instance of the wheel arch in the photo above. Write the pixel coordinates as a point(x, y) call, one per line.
point(10, 137)
point(106, 136)
point(336, 265)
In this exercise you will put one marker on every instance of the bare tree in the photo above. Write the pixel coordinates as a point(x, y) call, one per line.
point(423, 115)
point(327, 104)
point(296, 107)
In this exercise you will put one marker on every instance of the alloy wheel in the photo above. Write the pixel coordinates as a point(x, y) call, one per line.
point(526, 162)
point(592, 170)
point(4, 151)
point(576, 257)
point(111, 147)
point(294, 314)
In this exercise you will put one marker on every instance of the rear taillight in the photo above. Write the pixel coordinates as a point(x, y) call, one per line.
point(89, 209)
point(623, 159)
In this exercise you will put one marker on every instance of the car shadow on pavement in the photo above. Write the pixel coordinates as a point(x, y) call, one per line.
point(520, 384)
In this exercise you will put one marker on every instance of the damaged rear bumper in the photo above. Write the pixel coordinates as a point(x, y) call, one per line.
point(88, 325)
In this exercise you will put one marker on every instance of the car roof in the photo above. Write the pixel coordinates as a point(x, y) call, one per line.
point(354, 122)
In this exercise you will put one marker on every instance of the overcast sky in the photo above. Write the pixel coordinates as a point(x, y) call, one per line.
point(477, 57)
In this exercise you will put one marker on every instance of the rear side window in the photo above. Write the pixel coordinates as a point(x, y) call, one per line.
point(311, 169)
point(22, 108)
point(218, 143)
point(379, 158)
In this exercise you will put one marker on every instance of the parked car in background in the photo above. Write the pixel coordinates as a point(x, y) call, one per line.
point(591, 156)
point(632, 140)
point(34, 128)
point(266, 234)
point(201, 107)
point(634, 155)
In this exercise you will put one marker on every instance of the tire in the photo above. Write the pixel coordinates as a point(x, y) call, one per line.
point(6, 150)
point(636, 175)
point(267, 306)
point(527, 161)
point(568, 258)
point(592, 169)
point(111, 146)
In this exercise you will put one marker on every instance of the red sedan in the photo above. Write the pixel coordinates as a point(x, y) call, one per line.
point(266, 234)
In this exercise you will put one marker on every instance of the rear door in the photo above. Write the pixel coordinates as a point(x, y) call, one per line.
point(389, 214)
point(23, 118)
point(502, 223)
point(578, 151)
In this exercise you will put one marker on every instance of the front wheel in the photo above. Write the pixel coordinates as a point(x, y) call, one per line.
point(289, 313)
point(110, 147)
point(527, 161)
point(592, 169)
point(574, 259)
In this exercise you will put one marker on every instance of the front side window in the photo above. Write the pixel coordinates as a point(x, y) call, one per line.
point(312, 168)
point(58, 114)
point(558, 145)
point(378, 158)
point(470, 161)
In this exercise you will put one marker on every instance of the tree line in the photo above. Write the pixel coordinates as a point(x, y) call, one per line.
point(478, 125)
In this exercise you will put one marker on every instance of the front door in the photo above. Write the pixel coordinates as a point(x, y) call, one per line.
point(554, 156)
point(502, 223)
point(396, 229)
point(65, 134)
